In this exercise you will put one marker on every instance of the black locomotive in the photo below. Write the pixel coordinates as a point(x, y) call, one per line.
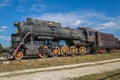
point(46, 38)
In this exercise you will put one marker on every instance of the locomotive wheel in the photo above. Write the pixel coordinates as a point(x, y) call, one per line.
point(82, 50)
point(18, 55)
point(73, 50)
point(55, 51)
point(43, 54)
point(64, 50)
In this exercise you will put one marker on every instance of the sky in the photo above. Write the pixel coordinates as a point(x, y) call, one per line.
point(101, 15)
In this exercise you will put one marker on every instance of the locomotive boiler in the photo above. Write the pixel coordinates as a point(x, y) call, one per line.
point(46, 38)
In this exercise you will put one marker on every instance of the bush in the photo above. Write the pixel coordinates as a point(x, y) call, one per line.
point(1, 48)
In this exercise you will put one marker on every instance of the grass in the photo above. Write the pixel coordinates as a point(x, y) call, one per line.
point(28, 64)
point(112, 75)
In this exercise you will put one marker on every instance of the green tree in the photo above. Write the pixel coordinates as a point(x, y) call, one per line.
point(1, 48)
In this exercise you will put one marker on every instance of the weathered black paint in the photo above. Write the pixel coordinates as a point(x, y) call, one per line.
point(48, 33)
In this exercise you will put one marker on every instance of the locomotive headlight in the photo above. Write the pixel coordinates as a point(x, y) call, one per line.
point(17, 31)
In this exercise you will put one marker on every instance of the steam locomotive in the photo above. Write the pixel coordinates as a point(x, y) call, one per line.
point(46, 38)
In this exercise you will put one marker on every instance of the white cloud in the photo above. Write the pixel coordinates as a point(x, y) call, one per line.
point(77, 23)
point(4, 27)
point(82, 18)
point(94, 20)
point(108, 24)
point(1, 30)
point(5, 38)
point(5, 3)
point(100, 28)
point(22, 5)
point(66, 19)
point(34, 6)
point(38, 7)
point(104, 26)
point(113, 25)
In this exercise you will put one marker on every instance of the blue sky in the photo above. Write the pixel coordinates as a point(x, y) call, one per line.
point(102, 15)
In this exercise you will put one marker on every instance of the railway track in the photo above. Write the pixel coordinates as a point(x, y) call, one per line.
point(37, 58)
point(5, 60)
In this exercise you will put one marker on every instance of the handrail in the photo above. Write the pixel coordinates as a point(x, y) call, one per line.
point(28, 33)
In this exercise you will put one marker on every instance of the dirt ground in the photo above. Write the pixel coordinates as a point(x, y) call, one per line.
point(66, 74)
